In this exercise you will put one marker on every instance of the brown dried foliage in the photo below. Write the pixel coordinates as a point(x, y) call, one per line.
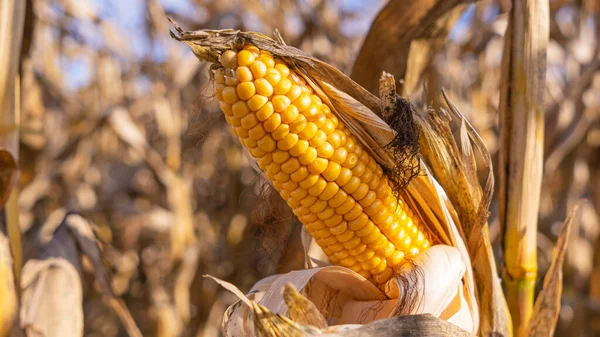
point(128, 135)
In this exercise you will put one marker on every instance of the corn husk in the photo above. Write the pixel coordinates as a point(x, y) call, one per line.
point(363, 114)
point(52, 293)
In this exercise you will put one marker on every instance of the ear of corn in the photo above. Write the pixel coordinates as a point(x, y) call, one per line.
point(333, 186)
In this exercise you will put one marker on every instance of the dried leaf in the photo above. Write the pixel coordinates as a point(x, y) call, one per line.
point(301, 310)
point(547, 304)
point(413, 325)
point(431, 284)
point(390, 36)
point(12, 17)
point(422, 50)
point(454, 167)
point(51, 302)
point(8, 293)
point(81, 229)
point(8, 173)
point(238, 293)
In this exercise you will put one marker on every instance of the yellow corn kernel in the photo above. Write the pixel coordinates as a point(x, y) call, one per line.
point(273, 76)
point(299, 124)
point(318, 187)
point(332, 171)
point(245, 58)
point(283, 87)
point(243, 74)
point(287, 142)
point(384, 276)
point(294, 92)
point(263, 87)
point(283, 69)
point(257, 102)
point(347, 235)
point(309, 181)
point(318, 166)
point(303, 103)
point(239, 109)
point(346, 206)
point(299, 149)
point(326, 214)
point(279, 157)
point(280, 102)
point(267, 60)
point(272, 123)
point(300, 174)
point(325, 150)
point(281, 131)
point(318, 139)
point(229, 95)
point(290, 166)
point(290, 113)
point(229, 59)
point(340, 227)
point(330, 190)
point(258, 69)
point(265, 112)
point(245, 90)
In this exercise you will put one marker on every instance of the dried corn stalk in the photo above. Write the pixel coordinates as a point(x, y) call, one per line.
point(521, 156)
point(368, 119)
point(52, 294)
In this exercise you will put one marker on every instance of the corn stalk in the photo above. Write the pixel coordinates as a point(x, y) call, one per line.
point(12, 16)
point(521, 154)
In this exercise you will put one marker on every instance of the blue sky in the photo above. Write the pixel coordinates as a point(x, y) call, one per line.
point(128, 16)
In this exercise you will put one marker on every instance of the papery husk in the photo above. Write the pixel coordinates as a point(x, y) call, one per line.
point(454, 165)
point(362, 114)
point(343, 297)
point(52, 293)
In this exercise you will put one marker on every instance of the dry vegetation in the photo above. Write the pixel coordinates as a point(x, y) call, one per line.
point(118, 124)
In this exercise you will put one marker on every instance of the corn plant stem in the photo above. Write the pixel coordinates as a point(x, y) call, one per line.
point(14, 233)
point(521, 153)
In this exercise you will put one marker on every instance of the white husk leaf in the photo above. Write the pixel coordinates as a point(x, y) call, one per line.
point(345, 297)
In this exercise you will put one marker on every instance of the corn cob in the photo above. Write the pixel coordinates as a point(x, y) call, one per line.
point(333, 186)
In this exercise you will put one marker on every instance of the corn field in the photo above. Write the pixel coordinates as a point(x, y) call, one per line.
point(179, 168)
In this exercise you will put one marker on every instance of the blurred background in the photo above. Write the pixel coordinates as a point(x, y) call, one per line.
point(119, 124)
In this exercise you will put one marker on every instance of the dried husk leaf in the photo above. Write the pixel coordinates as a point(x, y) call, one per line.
point(51, 283)
point(51, 302)
point(547, 304)
point(454, 167)
point(269, 324)
point(301, 310)
point(81, 230)
point(413, 325)
point(431, 283)
point(179, 193)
